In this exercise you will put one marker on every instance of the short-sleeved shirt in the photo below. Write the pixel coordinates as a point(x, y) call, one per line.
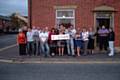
point(43, 36)
point(29, 36)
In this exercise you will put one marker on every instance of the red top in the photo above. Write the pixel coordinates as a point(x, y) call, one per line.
point(49, 38)
point(21, 39)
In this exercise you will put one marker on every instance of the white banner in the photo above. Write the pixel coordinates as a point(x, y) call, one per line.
point(60, 37)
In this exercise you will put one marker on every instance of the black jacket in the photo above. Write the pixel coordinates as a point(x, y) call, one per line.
point(111, 36)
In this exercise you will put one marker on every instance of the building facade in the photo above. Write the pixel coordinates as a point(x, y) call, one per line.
point(80, 13)
point(5, 23)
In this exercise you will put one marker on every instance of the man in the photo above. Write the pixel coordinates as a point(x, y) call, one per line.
point(36, 41)
point(29, 42)
point(111, 39)
point(70, 42)
point(103, 36)
point(44, 41)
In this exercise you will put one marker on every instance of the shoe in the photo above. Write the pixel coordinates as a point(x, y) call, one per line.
point(52, 54)
point(78, 55)
point(110, 55)
point(73, 55)
point(84, 54)
point(45, 56)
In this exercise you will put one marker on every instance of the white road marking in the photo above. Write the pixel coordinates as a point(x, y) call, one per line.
point(8, 47)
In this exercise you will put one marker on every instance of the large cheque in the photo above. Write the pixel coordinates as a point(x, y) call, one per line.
point(60, 37)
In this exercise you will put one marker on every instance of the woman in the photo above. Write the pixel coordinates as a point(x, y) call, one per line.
point(91, 41)
point(85, 35)
point(78, 42)
point(52, 43)
point(111, 39)
point(21, 41)
point(61, 44)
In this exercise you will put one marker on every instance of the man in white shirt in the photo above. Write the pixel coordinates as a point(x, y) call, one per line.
point(44, 41)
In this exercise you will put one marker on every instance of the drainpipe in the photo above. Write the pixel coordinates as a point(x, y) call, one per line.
point(30, 13)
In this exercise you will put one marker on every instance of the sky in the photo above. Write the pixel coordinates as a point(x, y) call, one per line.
point(7, 7)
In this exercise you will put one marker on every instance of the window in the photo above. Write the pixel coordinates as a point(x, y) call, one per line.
point(65, 16)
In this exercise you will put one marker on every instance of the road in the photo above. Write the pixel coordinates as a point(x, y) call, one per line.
point(19, 71)
point(7, 40)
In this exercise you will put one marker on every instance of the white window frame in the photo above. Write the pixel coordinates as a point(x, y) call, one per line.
point(66, 17)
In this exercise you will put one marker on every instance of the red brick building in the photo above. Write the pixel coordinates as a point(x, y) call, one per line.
point(80, 13)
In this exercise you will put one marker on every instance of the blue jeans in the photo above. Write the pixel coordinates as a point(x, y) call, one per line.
point(70, 47)
point(111, 47)
point(45, 48)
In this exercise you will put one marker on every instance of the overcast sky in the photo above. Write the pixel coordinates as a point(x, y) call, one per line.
point(7, 7)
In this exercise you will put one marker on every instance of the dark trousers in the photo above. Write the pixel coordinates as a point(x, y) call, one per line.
point(37, 48)
point(103, 43)
point(85, 46)
point(22, 49)
point(52, 49)
point(30, 48)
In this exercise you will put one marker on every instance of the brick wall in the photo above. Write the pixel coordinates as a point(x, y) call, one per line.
point(43, 13)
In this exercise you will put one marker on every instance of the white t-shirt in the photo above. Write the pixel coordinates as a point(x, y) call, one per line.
point(85, 35)
point(74, 31)
point(29, 36)
point(43, 36)
point(71, 33)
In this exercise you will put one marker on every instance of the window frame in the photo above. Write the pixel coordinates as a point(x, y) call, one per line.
point(57, 18)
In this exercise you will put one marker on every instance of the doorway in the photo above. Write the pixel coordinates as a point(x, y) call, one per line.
point(103, 21)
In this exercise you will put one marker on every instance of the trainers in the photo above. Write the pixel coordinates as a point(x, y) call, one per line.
point(52, 54)
point(110, 55)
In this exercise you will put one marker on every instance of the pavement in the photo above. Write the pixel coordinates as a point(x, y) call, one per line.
point(10, 54)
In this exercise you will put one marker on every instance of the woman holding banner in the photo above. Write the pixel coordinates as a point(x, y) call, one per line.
point(61, 44)
point(52, 43)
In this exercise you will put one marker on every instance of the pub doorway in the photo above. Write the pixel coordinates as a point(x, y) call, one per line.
point(103, 18)
point(103, 21)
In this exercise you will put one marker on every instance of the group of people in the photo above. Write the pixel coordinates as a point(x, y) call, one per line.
point(38, 41)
